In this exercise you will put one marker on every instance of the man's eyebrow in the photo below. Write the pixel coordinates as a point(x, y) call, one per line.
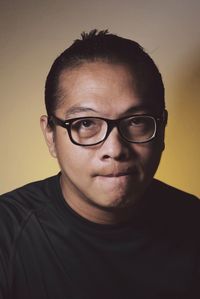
point(78, 109)
point(132, 110)
point(139, 108)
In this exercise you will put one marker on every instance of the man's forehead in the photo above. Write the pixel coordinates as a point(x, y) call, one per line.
point(99, 69)
point(97, 87)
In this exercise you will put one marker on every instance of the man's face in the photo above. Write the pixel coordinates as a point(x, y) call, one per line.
point(114, 173)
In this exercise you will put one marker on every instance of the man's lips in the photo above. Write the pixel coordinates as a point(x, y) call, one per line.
point(112, 175)
point(117, 174)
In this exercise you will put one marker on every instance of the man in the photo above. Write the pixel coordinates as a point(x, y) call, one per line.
point(102, 227)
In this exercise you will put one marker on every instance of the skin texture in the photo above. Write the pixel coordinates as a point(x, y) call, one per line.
point(102, 183)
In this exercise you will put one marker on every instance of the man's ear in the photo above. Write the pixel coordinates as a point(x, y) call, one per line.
point(48, 133)
point(165, 117)
point(164, 123)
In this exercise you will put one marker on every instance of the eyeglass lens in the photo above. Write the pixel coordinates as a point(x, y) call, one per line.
point(88, 130)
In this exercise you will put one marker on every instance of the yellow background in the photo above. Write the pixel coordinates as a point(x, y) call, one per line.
point(33, 33)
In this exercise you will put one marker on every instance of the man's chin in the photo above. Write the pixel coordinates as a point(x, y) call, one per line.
point(113, 202)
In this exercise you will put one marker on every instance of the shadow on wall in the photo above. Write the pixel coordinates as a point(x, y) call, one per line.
point(189, 77)
point(184, 125)
point(187, 92)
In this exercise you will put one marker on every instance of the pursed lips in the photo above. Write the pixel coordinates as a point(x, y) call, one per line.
point(118, 173)
point(117, 181)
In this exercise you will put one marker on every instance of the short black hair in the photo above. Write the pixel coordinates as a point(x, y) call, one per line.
point(110, 48)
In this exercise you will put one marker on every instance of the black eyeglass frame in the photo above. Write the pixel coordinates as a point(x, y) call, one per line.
point(111, 123)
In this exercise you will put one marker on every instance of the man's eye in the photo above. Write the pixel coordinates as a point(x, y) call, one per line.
point(86, 123)
point(83, 124)
point(137, 121)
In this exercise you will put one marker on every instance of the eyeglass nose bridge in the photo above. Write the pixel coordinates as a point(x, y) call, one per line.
point(112, 123)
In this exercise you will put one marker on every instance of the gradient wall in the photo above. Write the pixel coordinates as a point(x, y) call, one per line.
point(33, 33)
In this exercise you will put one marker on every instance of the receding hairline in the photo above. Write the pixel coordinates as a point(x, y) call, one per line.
point(84, 62)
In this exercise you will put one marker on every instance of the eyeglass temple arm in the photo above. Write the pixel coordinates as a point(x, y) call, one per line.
point(53, 120)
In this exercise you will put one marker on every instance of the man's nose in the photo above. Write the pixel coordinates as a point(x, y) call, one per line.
point(115, 147)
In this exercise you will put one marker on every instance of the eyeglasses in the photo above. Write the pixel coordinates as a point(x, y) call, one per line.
point(88, 131)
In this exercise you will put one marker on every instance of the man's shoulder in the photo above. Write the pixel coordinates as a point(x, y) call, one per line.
point(175, 206)
point(18, 206)
point(19, 210)
point(172, 193)
point(27, 198)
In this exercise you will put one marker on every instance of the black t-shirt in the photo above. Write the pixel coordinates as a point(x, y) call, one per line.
point(48, 251)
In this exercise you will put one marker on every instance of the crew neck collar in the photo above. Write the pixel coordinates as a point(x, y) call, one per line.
point(138, 221)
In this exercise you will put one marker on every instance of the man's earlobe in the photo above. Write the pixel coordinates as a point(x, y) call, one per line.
point(165, 117)
point(48, 133)
point(163, 146)
point(164, 123)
